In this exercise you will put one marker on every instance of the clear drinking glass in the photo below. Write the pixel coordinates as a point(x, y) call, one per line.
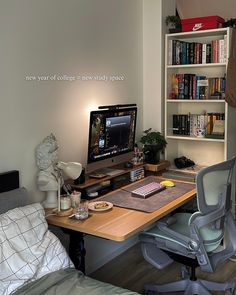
point(75, 198)
point(82, 210)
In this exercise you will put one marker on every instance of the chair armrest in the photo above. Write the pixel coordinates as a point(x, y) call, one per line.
point(201, 220)
point(188, 242)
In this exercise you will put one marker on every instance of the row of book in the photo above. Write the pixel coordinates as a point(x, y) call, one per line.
point(191, 86)
point(181, 52)
point(199, 125)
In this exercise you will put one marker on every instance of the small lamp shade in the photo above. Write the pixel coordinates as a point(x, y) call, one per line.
point(71, 169)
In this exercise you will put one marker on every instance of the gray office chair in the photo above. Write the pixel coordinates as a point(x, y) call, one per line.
point(205, 238)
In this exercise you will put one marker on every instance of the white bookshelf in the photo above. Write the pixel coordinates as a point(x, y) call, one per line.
point(203, 151)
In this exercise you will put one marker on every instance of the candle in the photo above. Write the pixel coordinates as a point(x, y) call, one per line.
point(65, 202)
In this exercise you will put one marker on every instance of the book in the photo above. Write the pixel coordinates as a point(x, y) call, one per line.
point(180, 86)
point(225, 48)
point(198, 53)
point(179, 175)
point(175, 124)
point(193, 170)
point(184, 55)
point(186, 174)
point(174, 52)
point(178, 52)
point(219, 127)
point(191, 52)
point(186, 85)
point(174, 87)
point(221, 50)
point(200, 88)
point(215, 51)
point(204, 45)
point(193, 125)
point(170, 51)
point(208, 53)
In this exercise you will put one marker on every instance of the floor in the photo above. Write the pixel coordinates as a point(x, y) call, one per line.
point(129, 270)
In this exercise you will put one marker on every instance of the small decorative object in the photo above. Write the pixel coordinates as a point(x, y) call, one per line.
point(174, 23)
point(154, 143)
point(49, 177)
point(200, 132)
point(230, 23)
point(138, 156)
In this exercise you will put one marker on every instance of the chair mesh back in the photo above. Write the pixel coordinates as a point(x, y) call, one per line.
point(213, 195)
point(212, 183)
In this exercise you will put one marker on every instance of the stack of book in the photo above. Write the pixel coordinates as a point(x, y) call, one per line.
point(191, 124)
point(216, 88)
point(181, 52)
point(191, 86)
point(186, 174)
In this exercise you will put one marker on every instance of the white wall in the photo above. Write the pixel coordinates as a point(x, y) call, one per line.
point(154, 28)
point(75, 38)
point(57, 37)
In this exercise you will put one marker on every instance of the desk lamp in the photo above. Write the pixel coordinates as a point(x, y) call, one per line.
point(72, 170)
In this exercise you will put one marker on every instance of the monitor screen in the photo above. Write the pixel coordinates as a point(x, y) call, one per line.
point(111, 133)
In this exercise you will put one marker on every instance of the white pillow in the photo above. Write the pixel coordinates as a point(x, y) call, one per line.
point(28, 250)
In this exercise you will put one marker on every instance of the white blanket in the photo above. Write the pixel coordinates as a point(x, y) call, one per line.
point(28, 250)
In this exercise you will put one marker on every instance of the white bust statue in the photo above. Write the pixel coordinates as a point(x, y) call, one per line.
point(46, 159)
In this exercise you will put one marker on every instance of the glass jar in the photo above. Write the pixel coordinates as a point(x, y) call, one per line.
point(65, 202)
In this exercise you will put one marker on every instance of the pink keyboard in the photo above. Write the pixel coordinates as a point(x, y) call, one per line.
point(147, 190)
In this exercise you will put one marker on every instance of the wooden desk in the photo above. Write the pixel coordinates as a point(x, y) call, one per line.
point(117, 224)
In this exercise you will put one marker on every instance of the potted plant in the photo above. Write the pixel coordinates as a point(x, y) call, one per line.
point(153, 144)
point(174, 23)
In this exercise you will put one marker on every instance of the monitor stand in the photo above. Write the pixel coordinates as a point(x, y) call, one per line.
point(108, 171)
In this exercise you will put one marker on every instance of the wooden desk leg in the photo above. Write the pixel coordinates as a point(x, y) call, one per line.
point(76, 249)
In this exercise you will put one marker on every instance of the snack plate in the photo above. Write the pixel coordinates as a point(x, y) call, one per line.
point(92, 205)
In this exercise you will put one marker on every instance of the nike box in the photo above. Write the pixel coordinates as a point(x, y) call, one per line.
point(202, 23)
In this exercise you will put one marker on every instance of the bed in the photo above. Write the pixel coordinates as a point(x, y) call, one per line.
point(32, 259)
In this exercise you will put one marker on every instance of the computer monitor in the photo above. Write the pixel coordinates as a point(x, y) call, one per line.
point(111, 137)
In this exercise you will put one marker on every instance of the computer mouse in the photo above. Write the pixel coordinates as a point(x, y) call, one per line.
point(167, 183)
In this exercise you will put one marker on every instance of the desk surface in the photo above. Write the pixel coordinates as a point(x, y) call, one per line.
point(118, 224)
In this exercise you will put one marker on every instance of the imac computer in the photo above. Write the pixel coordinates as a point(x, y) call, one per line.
point(111, 138)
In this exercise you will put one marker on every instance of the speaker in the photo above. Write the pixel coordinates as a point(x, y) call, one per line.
point(81, 178)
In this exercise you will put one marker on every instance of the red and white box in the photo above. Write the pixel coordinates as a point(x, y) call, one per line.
point(202, 23)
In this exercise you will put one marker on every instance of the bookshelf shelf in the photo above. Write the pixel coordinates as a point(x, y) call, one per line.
point(182, 105)
point(200, 34)
point(194, 138)
point(195, 101)
point(209, 65)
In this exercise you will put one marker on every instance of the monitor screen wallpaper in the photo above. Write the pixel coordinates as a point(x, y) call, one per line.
point(111, 133)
